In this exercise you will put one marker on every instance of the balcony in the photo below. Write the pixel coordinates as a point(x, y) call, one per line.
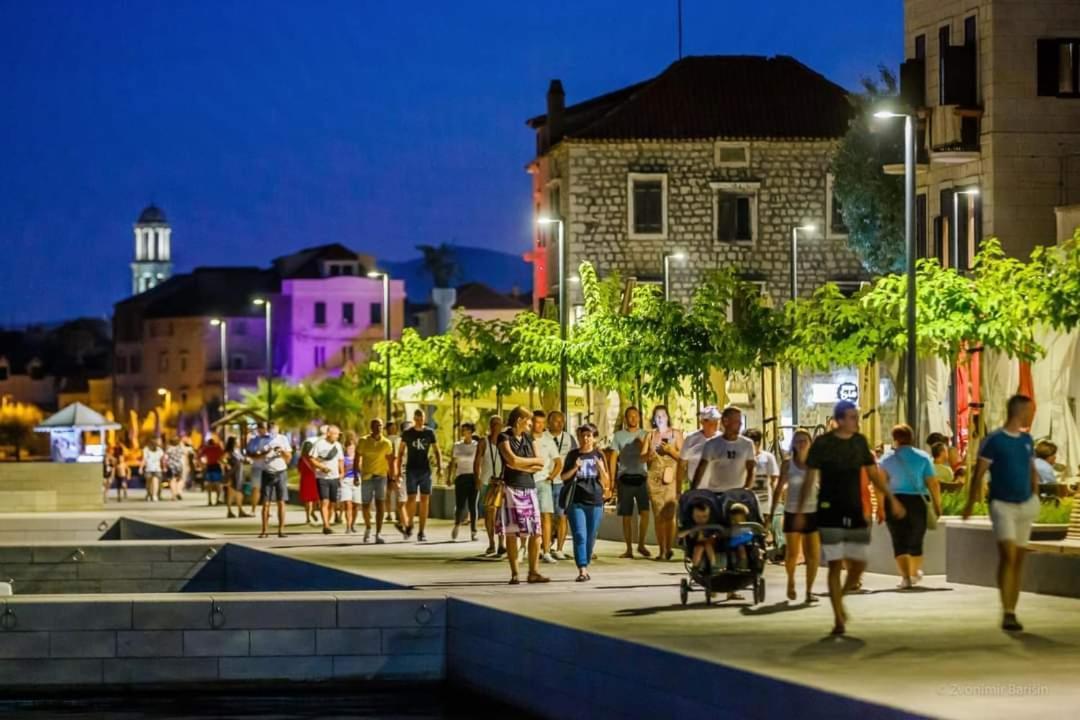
point(953, 132)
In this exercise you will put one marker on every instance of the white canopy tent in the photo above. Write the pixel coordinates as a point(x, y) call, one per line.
point(66, 428)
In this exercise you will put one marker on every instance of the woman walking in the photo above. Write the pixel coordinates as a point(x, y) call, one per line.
point(662, 455)
point(912, 479)
point(234, 478)
point(519, 515)
point(461, 469)
point(585, 485)
point(309, 486)
point(805, 540)
point(488, 468)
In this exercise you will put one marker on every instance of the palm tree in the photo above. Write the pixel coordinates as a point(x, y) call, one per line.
point(441, 263)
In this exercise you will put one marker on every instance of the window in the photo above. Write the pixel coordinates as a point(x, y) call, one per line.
point(183, 362)
point(735, 216)
point(36, 370)
point(121, 366)
point(320, 356)
point(347, 354)
point(376, 313)
point(943, 49)
point(971, 31)
point(848, 288)
point(920, 47)
point(346, 269)
point(153, 329)
point(335, 270)
point(135, 365)
point(756, 294)
point(320, 313)
point(1058, 62)
point(237, 361)
point(4, 371)
point(833, 210)
point(163, 361)
point(730, 154)
point(648, 205)
point(238, 327)
point(920, 226)
point(347, 314)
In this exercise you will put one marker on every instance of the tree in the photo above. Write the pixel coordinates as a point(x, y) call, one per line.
point(871, 202)
point(1055, 273)
point(441, 263)
point(17, 423)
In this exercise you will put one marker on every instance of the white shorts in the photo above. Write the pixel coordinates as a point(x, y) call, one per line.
point(545, 497)
point(346, 490)
point(845, 544)
point(1012, 521)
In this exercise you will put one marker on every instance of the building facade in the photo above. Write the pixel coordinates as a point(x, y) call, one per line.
point(153, 250)
point(995, 86)
point(708, 160)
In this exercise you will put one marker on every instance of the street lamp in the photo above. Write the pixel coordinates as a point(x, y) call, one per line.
point(563, 315)
point(806, 228)
point(668, 257)
point(168, 398)
point(385, 276)
point(909, 242)
point(265, 302)
point(955, 250)
point(223, 332)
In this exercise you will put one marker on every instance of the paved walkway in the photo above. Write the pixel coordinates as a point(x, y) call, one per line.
point(934, 651)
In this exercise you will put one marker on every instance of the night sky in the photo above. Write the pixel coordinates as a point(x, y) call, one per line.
point(261, 127)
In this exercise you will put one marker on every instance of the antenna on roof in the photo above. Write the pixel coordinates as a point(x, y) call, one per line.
point(678, 22)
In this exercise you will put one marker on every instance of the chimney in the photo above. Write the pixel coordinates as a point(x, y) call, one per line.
point(556, 104)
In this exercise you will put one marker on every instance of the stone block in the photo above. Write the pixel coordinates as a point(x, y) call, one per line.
point(174, 570)
point(10, 555)
point(130, 671)
point(283, 642)
point(344, 641)
point(408, 641)
point(28, 672)
point(284, 612)
point(68, 614)
point(41, 571)
point(88, 644)
point(154, 614)
point(113, 571)
point(216, 643)
point(24, 644)
point(192, 552)
point(404, 612)
point(150, 643)
point(277, 668)
point(390, 667)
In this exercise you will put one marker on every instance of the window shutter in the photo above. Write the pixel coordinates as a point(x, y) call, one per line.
point(725, 217)
point(1047, 64)
point(744, 229)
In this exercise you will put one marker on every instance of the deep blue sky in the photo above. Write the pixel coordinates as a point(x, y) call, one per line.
point(265, 126)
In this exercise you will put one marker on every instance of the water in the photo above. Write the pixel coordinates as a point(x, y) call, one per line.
point(418, 701)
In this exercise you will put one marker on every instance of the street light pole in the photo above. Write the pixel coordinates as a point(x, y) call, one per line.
point(167, 395)
point(795, 296)
point(386, 333)
point(564, 373)
point(668, 257)
point(222, 331)
point(265, 302)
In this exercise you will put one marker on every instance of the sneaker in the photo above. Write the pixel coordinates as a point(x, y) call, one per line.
point(474, 537)
point(367, 534)
point(490, 551)
point(1009, 623)
point(421, 537)
point(904, 584)
point(408, 532)
point(379, 540)
point(454, 533)
point(547, 558)
point(559, 555)
point(500, 552)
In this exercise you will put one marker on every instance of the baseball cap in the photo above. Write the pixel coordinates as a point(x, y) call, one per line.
point(709, 412)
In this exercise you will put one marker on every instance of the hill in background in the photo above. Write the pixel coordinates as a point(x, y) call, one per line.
point(501, 271)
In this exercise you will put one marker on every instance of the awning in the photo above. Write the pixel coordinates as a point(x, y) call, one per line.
point(76, 416)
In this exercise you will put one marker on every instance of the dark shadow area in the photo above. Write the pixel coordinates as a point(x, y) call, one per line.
point(236, 568)
point(780, 607)
point(1041, 643)
point(831, 646)
point(678, 607)
point(129, 529)
point(917, 590)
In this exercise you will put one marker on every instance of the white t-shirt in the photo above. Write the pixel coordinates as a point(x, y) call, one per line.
point(275, 459)
point(564, 443)
point(547, 451)
point(796, 476)
point(727, 461)
point(331, 454)
point(767, 468)
point(691, 451)
point(464, 457)
point(152, 459)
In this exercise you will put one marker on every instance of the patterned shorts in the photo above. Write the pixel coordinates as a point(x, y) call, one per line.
point(519, 513)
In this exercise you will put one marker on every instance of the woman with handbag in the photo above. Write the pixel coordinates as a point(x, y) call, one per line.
point(488, 469)
point(585, 484)
point(661, 453)
point(518, 517)
point(912, 480)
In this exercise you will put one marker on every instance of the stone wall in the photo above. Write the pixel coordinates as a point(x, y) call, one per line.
point(793, 180)
point(49, 487)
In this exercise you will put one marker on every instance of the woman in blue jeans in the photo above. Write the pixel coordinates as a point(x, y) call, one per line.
point(585, 484)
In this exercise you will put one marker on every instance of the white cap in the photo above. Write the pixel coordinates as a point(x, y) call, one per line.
point(709, 412)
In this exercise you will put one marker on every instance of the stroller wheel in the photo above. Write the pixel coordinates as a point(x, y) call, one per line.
point(759, 591)
point(684, 590)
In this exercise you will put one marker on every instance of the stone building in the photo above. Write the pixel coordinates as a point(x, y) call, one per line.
point(717, 158)
point(153, 250)
point(996, 89)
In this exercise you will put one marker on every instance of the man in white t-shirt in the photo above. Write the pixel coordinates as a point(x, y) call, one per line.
point(328, 458)
point(153, 465)
point(766, 471)
point(690, 455)
point(546, 449)
point(275, 455)
point(727, 460)
point(564, 443)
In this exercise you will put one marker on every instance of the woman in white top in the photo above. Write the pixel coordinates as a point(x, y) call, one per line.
point(806, 539)
point(488, 468)
point(461, 467)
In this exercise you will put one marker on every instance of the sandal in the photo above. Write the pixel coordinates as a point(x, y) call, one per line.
point(537, 578)
point(514, 580)
point(628, 555)
point(262, 535)
point(581, 578)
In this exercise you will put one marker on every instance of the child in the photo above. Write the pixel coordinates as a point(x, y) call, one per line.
point(1045, 457)
point(740, 537)
point(704, 540)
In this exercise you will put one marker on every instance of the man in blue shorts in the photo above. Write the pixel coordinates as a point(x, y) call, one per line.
point(416, 444)
point(1008, 454)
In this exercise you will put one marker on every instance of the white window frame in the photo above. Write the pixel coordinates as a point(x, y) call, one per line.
point(633, 177)
point(830, 234)
point(724, 144)
point(752, 188)
point(763, 290)
point(852, 286)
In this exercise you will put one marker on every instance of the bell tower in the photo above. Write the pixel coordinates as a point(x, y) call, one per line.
point(153, 252)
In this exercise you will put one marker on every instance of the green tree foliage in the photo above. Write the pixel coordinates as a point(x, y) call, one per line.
point(1055, 276)
point(872, 203)
point(441, 263)
point(829, 329)
point(17, 422)
point(536, 352)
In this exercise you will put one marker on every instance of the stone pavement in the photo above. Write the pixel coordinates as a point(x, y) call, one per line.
point(934, 651)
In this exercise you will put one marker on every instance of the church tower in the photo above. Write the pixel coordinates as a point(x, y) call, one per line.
point(153, 263)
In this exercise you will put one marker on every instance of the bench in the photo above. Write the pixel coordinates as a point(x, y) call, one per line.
point(1071, 544)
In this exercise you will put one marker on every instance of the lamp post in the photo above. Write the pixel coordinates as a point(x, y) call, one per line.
point(167, 395)
point(222, 327)
point(668, 257)
point(955, 250)
point(385, 276)
point(563, 315)
point(909, 243)
point(807, 228)
point(265, 302)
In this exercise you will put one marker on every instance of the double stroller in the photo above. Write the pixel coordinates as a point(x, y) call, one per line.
point(740, 547)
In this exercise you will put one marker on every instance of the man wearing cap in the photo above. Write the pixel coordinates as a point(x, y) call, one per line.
point(709, 417)
point(727, 460)
point(835, 466)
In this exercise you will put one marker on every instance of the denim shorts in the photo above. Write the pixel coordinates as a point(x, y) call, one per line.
point(329, 489)
point(417, 481)
point(372, 488)
point(556, 490)
point(275, 486)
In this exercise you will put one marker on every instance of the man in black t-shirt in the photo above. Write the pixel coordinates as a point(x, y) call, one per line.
point(836, 463)
point(416, 444)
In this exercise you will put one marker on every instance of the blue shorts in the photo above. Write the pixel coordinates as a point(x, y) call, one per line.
point(213, 475)
point(275, 486)
point(417, 482)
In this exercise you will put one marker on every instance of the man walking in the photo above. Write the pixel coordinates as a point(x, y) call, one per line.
point(416, 444)
point(727, 460)
point(690, 455)
point(547, 451)
point(374, 460)
point(1008, 454)
point(628, 468)
point(835, 465)
point(254, 452)
point(564, 443)
point(328, 458)
point(275, 455)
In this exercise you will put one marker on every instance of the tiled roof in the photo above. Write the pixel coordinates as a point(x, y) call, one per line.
point(207, 291)
point(477, 296)
point(716, 96)
point(307, 263)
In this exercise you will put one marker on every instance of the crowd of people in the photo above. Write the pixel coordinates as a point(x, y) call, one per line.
point(533, 485)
